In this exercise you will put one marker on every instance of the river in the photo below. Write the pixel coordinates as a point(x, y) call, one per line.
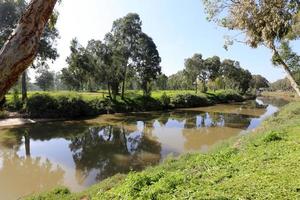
point(77, 154)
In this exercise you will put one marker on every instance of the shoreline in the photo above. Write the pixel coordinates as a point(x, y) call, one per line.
point(20, 120)
point(241, 160)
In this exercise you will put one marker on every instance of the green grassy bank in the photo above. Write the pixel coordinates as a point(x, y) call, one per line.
point(75, 105)
point(260, 165)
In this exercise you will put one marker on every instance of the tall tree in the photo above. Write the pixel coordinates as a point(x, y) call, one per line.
point(45, 79)
point(75, 75)
point(126, 32)
point(259, 81)
point(20, 49)
point(162, 82)
point(264, 22)
point(195, 70)
point(147, 62)
point(213, 66)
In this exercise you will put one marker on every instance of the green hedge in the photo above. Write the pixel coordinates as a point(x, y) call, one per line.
point(74, 106)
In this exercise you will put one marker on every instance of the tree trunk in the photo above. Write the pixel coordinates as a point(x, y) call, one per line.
point(27, 144)
point(124, 82)
point(20, 49)
point(291, 79)
point(287, 70)
point(24, 86)
point(109, 91)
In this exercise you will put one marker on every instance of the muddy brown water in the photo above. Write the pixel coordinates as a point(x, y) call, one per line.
point(77, 154)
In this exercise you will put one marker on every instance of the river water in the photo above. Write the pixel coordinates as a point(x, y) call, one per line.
point(77, 154)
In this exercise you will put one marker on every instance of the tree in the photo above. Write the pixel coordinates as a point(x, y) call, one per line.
point(20, 50)
point(162, 82)
point(147, 62)
point(259, 81)
point(234, 76)
point(264, 22)
point(195, 70)
point(213, 66)
point(75, 75)
point(45, 79)
point(179, 81)
point(126, 31)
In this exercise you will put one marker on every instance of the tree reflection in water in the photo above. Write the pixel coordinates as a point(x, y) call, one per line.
point(110, 150)
point(20, 176)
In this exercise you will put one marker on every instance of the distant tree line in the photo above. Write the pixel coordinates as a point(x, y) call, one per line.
point(213, 74)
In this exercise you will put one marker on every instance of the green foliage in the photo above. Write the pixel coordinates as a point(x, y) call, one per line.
point(3, 114)
point(165, 100)
point(42, 105)
point(16, 103)
point(272, 136)
point(263, 23)
point(225, 96)
point(189, 100)
point(259, 81)
point(45, 79)
point(74, 105)
point(261, 165)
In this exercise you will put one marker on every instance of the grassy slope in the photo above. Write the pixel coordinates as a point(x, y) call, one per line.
point(263, 165)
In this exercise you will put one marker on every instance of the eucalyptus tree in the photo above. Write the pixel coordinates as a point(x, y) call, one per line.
point(19, 51)
point(126, 31)
point(75, 75)
point(196, 70)
point(259, 81)
point(147, 62)
point(10, 12)
point(213, 66)
point(263, 22)
point(178, 81)
point(162, 82)
point(45, 79)
point(235, 77)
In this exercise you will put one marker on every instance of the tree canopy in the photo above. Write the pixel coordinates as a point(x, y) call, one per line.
point(263, 22)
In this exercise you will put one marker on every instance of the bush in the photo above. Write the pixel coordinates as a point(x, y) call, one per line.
point(165, 100)
point(189, 100)
point(146, 103)
point(225, 96)
point(71, 106)
point(16, 103)
point(42, 105)
point(3, 114)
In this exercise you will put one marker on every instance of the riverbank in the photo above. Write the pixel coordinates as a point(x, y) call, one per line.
point(261, 165)
point(74, 105)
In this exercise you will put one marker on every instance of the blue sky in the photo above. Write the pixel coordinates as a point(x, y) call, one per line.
point(178, 27)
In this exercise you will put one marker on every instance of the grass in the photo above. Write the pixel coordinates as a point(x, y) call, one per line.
point(103, 93)
point(260, 165)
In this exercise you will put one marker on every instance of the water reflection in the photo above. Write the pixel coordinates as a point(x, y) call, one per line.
point(21, 175)
point(78, 154)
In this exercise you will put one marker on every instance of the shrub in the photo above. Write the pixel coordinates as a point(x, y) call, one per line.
point(42, 105)
point(165, 100)
point(16, 103)
point(3, 114)
point(272, 137)
point(71, 106)
point(189, 100)
point(224, 96)
point(145, 103)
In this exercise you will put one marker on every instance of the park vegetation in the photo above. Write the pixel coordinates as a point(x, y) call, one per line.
point(262, 165)
point(122, 71)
